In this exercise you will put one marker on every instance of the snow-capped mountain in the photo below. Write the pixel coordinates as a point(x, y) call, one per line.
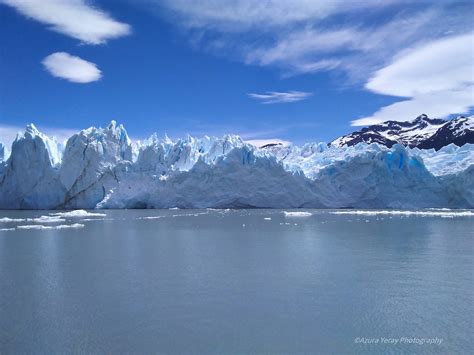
point(422, 132)
point(102, 168)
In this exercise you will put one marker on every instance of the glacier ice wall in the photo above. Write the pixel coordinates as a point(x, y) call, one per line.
point(3, 152)
point(101, 168)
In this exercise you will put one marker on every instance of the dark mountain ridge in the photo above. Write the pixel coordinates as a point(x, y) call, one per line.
point(422, 132)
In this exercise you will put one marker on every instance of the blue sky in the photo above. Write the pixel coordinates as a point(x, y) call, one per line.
point(295, 70)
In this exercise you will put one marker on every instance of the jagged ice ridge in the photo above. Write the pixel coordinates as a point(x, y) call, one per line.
point(101, 168)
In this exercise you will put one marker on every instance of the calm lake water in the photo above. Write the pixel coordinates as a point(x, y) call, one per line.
point(240, 281)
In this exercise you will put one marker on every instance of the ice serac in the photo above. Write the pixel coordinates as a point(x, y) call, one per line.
point(2, 152)
point(381, 178)
point(160, 156)
point(100, 168)
point(3, 155)
point(30, 176)
point(223, 176)
point(92, 162)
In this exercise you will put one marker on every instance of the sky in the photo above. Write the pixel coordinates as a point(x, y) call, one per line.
point(299, 70)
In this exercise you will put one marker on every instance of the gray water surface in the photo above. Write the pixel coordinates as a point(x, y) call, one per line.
point(231, 281)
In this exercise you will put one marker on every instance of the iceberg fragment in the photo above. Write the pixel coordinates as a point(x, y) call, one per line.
point(424, 213)
point(42, 227)
point(297, 214)
point(78, 213)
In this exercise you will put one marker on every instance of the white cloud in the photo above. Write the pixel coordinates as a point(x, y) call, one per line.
point(303, 50)
point(242, 15)
point(274, 97)
point(357, 49)
point(65, 66)
point(407, 39)
point(305, 36)
point(74, 18)
point(443, 64)
point(440, 104)
point(438, 78)
point(8, 133)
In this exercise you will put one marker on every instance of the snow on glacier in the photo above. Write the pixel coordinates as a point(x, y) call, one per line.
point(450, 159)
point(102, 168)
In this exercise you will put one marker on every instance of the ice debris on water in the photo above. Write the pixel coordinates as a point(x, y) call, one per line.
point(61, 226)
point(297, 214)
point(78, 214)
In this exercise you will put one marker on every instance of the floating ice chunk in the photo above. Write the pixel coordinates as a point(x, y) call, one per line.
point(46, 219)
point(41, 219)
point(34, 226)
point(61, 226)
point(430, 213)
point(267, 219)
point(6, 229)
point(188, 214)
point(67, 226)
point(8, 220)
point(95, 219)
point(78, 213)
point(297, 214)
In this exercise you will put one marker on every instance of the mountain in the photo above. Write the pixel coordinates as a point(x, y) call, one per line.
point(458, 131)
point(422, 132)
point(102, 168)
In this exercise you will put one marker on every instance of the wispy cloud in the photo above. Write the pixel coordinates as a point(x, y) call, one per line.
point(243, 15)
point(275, 97)
point(439, 65)
point(359, 39)
point(356, 49)
point(74, 18)
point(437, 77)
point(302, 36)
point(74, 69)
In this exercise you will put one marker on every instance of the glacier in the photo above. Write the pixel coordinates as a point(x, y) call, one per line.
point(103, 168)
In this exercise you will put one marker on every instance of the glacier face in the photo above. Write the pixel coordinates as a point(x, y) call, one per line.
point(101, 168)
point(3, 152)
